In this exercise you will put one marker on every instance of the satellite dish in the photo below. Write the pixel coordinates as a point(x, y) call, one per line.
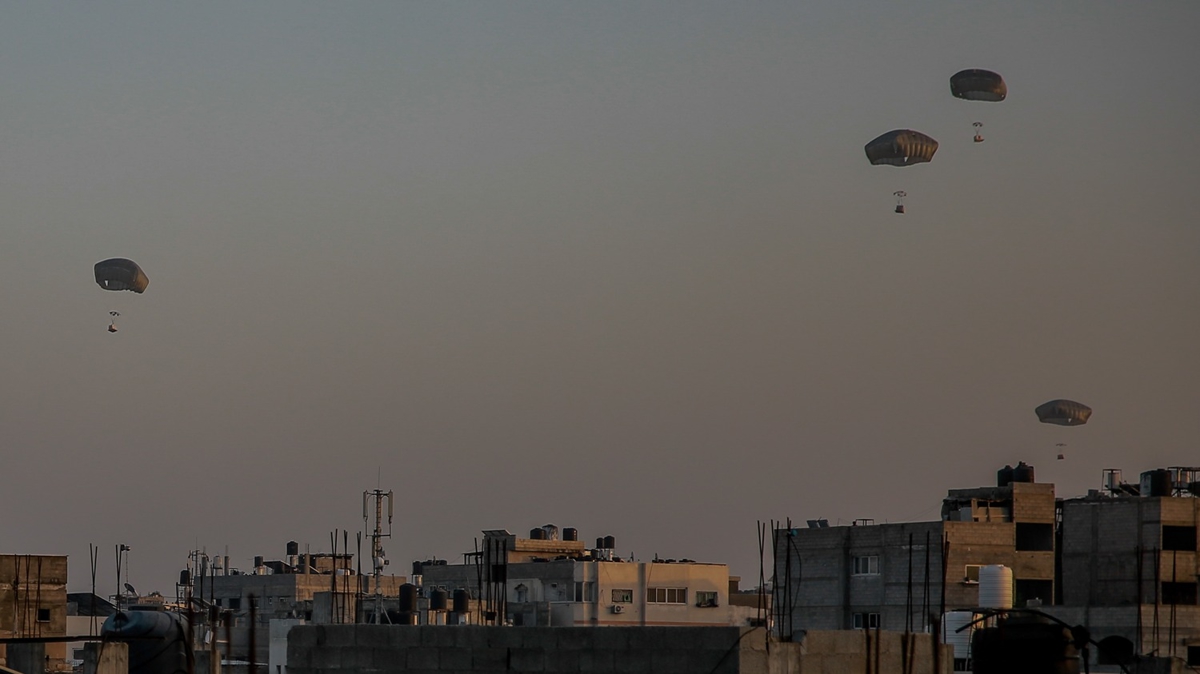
point(129, 589)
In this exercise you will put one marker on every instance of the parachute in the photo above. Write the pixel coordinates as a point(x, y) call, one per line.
point(1063, 413)
point(121, 274)
point(901, 147)
point(975, 84)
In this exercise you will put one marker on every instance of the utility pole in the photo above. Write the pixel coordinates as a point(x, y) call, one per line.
point(377, 497)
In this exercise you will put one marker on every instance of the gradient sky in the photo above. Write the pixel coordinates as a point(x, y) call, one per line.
point(621, 266)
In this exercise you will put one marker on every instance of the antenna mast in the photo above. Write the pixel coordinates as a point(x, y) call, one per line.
point(377, 497)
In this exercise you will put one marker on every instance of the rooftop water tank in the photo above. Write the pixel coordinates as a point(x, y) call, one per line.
point(961, 641)
point(293, 548)
point(1157, 483)
point(408, 598)
point(462, 601)
point(570, 534)
point(438, 599)
point(537, 534)
point(551, 532)
point(158, 640)
point(610, 543)
point(1023, 473)
point(1004, 476)
point(995, 586)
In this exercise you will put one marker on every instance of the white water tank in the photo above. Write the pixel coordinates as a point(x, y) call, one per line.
point(961, 641)
point(995, 586)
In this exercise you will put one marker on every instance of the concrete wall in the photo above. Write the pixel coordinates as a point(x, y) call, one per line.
point(31, 585)
point(350, 649)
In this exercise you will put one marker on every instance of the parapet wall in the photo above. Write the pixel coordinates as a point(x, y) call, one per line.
point(424, 649)
point(441, 649)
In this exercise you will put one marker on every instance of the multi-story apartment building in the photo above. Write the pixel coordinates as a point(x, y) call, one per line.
point(547, 581)
point(33, 604)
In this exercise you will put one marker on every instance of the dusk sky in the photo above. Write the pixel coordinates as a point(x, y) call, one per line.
point(621, 266)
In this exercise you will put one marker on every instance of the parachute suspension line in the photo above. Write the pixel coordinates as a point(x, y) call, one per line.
point(900, 194)
point(978, 131)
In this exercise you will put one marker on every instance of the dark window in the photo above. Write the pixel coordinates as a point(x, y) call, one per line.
point(43, 615)
point(235, 603)
point(1035, 537)
point(1179, 593)
point(1193, 656)
point(866, 621)
point(1179, 538)
point(1027, 590)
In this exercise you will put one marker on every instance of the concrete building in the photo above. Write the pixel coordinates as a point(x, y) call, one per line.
point(868, 575)
point(552, 582)
point(1129, 564)
point(33, 603)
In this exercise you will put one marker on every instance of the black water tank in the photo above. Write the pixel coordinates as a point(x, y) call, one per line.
point(418, 568)
point(462, 601)
point(1023, 473)
point(293, 548)
point(1004, 476)
point(408, 598)
point(599, 542)
point(185, 577)
point(258, 561)
point(538, 534)
point(610, 543)
point(1025, 644)
point(158, 641)
point(1160, 482)
point(570, 534)
point(438, 599)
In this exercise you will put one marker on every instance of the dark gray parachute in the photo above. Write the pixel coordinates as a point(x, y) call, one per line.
point(901, 147)
point(119, 273)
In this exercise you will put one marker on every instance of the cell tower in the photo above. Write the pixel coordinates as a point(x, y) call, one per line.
point(378, 561)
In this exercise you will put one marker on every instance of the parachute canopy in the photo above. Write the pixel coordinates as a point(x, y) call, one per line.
point(902, 147)
point(978, 85)
point(1063, 413)
point(121, 274)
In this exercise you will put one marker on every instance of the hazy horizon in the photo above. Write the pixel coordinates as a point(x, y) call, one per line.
point(617, 266)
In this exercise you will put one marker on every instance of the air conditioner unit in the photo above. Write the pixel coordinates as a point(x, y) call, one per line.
point(617, 608)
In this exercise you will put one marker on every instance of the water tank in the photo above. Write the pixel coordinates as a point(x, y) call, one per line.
point(610, 543)
point(1157, 483)
point(1021, 643)
point(1004, 476)
point(418, 568)
point(538, 534)
point(185, 577)
point(293, 548)
point(961, 641)
point(1023, 472)
point(599, 542)
point(570, 534)
point(408, 598)
point(462, 601)
point(258, 561)
point(551, 532)
point(995, 586)
point(438, 599)
point(158, 640)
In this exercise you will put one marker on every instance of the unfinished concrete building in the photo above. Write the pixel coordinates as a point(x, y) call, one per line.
point(545, 581)
point(1129, 564)
point(868, 575)
point(33, 604)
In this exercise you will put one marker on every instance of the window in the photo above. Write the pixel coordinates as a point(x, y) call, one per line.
point(971, 573)
point(868, 621)
point(666, 595)
point(1027, 590)
point(866, 566)
point(622, 596)
point(706, 599)
point(43, 615)
point(1035, 537)
point(1179, 593)
point(1179, 538)
point(235, 603)
point(585, 591)
point(1193, 656)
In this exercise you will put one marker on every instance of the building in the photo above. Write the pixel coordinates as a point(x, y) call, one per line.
point(894, 576)
point(33, 604)
point(1129, 564)
point(545, 581)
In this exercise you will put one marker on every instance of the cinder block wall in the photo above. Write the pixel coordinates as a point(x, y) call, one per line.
point(426, 649)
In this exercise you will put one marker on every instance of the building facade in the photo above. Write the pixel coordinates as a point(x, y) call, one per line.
point(33, 603)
